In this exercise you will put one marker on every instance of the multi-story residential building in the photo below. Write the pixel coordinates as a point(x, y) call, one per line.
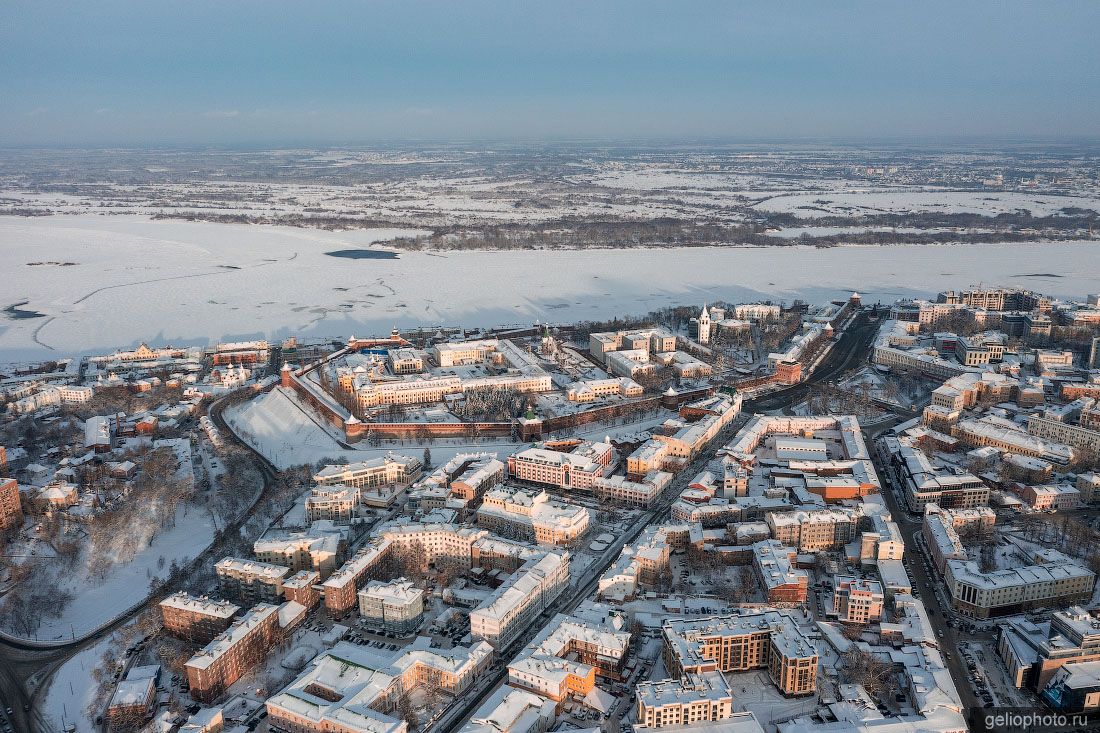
point(427, 543)
point(649, 456)
point(1006, 435)
point(396, 606)
point(11, 510)
point(133, 697)
point(942, 539)
point(302, 587)
point(1055, 497)
point(815, 530)
point(1055, 580)
point(474, 474)
point(761, 640)
point(578, 469)
point(687, 441)
point(379, 480)
point(459, 484)
point(693, 699)
point(532, 516)
point(349, 689)
point(925, 483)
point(1088, 485)
point(232, 654)
point(71, 394)
point(782, 582)
point(857, 601)
point(996, 299)
point(336, 503)
point(622, 491)
point(320, 548)
point(980, 350)
point(1054, 430)
point(527, 593)
point(250, 581)
point(341, 587)
point(566, 656)
point(196, 619)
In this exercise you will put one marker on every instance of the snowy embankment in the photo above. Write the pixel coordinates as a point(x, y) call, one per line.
point(288, 433)
point(100, 592)
point(74, 687)
point(187, 282)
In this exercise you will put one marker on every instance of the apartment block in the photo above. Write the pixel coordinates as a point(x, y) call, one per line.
point(250, 581)
point(196, 618)
point(532, 516)
point(232, 654)
point(11, 510)
point(578, 469)
point(857, 601)
point(396, 606)
point(762, 640)
point(511, 607)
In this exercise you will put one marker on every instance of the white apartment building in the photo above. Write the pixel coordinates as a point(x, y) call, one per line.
point(857, 601)
point(337, 503)
point(624, 492)
point(319, 548)
point(816, 530)
point(1063, 432)
point(396, 606)
point(391, 470)
point(511, 607)
point(532, 516)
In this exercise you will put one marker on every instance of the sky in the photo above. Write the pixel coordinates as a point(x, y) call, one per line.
point(134, 72)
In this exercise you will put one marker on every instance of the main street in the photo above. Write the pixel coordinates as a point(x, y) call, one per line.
point(924, 582)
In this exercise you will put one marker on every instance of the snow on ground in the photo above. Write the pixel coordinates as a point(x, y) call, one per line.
point(858, 203)
point(96, 603)
point(280, 428)
point(73, 688)
point(289, 433)
point(191, 282)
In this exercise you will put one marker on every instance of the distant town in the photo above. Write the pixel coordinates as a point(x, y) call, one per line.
point(780, 517)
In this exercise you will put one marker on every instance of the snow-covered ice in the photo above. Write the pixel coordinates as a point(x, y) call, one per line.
point(138, 279)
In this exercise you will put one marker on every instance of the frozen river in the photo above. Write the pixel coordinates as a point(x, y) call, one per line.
point(100, 282)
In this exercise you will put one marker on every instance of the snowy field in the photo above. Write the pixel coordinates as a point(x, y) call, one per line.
point(862, 203)
point(176, 282)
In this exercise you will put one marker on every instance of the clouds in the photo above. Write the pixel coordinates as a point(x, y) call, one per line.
point(249, 71)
